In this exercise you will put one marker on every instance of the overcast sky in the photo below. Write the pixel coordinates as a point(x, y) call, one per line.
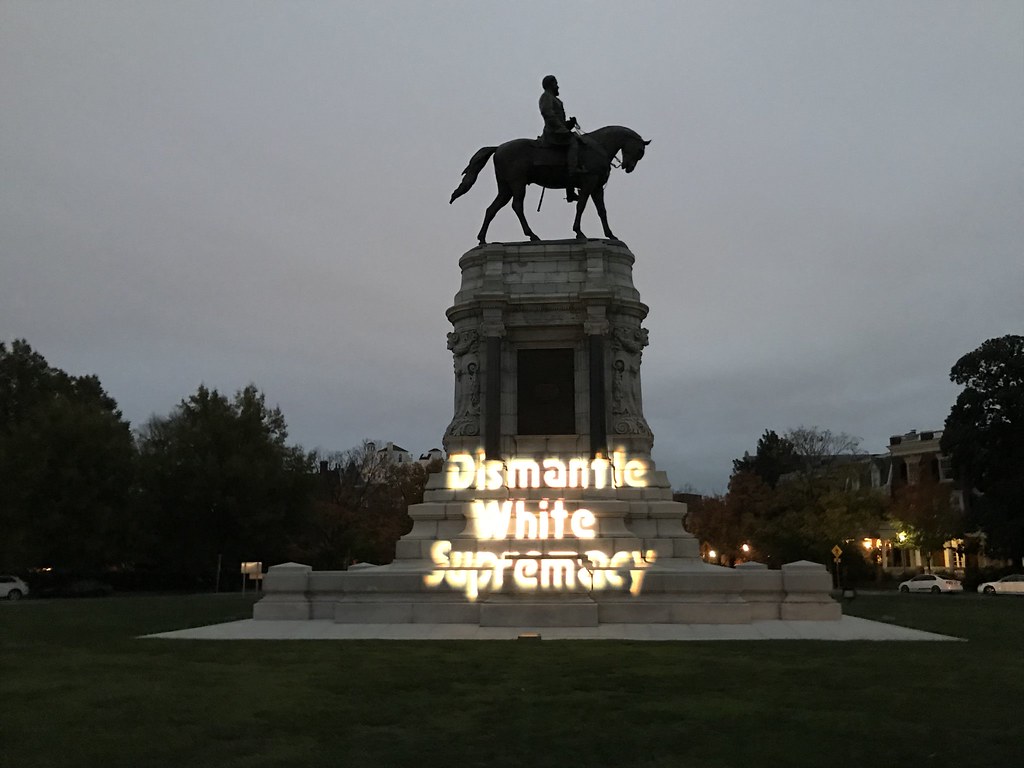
point(829, 215)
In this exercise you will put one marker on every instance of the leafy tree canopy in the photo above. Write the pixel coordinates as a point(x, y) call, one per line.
point(776, 456)
point(984, 432)
point(794, 499)
point(362, 508)
point(927, 513)
point(218, 478)
point(984, 438)
point(66, 467)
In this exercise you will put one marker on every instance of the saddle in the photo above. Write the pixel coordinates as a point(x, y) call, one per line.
point(546, 154)
point(549, 154)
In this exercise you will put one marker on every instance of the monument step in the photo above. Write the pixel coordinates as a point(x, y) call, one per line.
point(556, 611)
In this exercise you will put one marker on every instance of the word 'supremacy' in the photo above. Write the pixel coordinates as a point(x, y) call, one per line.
point(522, 567)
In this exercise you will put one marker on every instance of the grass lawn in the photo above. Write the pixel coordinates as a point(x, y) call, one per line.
point(78, 689)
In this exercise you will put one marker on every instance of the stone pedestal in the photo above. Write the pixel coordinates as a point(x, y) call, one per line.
point(547, 344)
point(549, 510)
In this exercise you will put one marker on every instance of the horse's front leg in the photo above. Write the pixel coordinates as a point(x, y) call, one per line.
point(517, 205)
point(598, 195)
point(585, 192)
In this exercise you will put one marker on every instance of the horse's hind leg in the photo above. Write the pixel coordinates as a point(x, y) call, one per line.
point(586, 190)
point(517, 206)
point(500, 201)
point(598, 197)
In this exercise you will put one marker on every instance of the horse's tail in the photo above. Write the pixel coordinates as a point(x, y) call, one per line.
point(476, 164)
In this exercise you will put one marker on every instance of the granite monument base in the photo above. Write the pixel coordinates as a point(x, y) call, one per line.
point(549, 510)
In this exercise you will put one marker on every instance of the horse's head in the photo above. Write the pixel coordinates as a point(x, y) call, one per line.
point(632, 151)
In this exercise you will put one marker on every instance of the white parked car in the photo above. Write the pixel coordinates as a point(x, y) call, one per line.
point(12, 588)
point(1008, 585)
point(929, 582)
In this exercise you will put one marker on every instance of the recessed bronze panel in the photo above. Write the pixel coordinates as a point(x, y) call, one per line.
point(546, 387)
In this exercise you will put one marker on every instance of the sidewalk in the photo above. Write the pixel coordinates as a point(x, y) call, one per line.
point(846, 629)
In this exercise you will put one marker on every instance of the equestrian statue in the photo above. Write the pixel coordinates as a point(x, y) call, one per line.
point(559, 159)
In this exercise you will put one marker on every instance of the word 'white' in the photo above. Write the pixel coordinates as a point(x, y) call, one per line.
point(494, 520)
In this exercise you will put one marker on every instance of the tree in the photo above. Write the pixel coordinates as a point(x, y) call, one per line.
point(715, 525)
point(67, 461)
point(984, 438)
point(728, 522)
point(362, 508)
point(776, 456)
point(927, 513)
point(218, 479)
point(821, 451)
point(800, 495)
point(805, 452)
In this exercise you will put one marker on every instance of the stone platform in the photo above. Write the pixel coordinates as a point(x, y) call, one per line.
point(549, 511)
point(693, 594)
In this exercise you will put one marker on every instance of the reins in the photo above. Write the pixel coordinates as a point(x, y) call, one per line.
point(614, 161)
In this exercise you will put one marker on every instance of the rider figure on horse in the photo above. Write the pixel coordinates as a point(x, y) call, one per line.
point(558, 132)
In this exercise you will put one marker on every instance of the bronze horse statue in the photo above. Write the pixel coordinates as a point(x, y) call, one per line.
point(520, 162)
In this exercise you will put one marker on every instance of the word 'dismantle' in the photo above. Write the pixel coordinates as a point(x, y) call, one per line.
point(467, 471)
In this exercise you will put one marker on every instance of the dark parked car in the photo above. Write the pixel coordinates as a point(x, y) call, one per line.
point(62, 584)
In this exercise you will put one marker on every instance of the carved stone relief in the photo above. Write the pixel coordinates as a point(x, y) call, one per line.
point(627, 413)
point(465, 348)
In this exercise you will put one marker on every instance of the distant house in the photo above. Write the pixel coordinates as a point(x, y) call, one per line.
point(389, 454)
point(913, 458)
point(394, 454)
point(434, 454)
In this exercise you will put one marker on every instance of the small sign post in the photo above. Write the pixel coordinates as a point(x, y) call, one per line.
point(254, 571)
point(837, 555)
